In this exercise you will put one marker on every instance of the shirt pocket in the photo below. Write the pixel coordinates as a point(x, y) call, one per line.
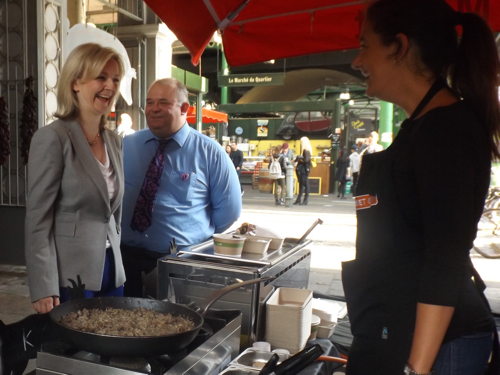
point(65, 224)
point(183, 187)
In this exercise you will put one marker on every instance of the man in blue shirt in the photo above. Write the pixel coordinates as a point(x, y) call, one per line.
point(198, 192)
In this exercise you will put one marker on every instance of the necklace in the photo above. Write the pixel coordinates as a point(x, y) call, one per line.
point(93, 141)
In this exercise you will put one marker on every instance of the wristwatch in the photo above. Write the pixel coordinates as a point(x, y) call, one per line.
point(409, 371)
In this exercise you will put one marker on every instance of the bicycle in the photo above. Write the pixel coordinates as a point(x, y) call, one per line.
point(493, 198)
point(487, 242)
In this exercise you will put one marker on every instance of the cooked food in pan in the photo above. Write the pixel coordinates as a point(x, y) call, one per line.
point(122, 322)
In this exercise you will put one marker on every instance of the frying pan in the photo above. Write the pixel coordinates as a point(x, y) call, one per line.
point(143, 346)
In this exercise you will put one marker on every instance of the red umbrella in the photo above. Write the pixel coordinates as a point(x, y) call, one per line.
point(260, 30)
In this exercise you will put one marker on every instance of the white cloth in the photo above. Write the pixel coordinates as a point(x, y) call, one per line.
point(354, 162)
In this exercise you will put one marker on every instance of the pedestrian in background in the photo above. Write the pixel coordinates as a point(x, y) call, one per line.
point(341, 173)
point(302, 169)
point(287, 152)
point(236, 157)
point(125, 126)
point(278, 165)
point(372, 144)
point(415, 301)
point(354, 164)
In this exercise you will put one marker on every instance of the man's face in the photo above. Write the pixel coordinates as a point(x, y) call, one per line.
point(234, 147)
point(164, 113)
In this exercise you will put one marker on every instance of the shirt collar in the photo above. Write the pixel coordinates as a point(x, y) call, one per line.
point(179, 137)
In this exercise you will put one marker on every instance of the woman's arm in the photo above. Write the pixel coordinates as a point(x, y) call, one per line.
point(430, 327)
point(45, 168)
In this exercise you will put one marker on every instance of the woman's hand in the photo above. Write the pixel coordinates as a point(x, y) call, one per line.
point(46, 304)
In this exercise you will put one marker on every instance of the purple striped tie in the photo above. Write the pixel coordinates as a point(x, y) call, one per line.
point(141, 220)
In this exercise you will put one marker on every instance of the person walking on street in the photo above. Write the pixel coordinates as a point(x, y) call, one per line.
point(277, 170)
point(302, 169)
point(354, 164)
point(415, 302)
point(341, 173)
point(236, 156)
point(181, 186)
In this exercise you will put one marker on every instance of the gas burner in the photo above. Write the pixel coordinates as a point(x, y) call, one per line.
point(213, 348)
point(134, 364)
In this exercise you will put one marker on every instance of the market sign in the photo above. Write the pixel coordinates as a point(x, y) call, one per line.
point(256, 79)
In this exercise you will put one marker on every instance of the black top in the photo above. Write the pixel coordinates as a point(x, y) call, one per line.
point(237, 158)
point(303, 162)
point(441, 174)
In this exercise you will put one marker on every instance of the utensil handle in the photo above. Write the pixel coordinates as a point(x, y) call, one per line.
point(270, 365)
point(299, 361)
point(318, 221)
point(219, 293)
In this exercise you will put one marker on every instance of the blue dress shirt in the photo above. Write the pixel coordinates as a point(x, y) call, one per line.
point(199, 192)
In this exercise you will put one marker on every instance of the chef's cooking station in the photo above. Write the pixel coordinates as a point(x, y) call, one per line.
point(197, 272)
point(234, 322)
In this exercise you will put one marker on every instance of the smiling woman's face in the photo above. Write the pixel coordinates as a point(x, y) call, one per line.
point(96, 96)
point(376, 62)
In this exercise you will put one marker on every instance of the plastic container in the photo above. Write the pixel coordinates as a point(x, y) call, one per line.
point(325, 330)
point(288, 318)
point(284, 354)
point(275, 244)
point(329, 310)
point(262, 346)
point(228, 244)
point(315, 321)
point(256, 245)
point(276, 239)
point(252, 358)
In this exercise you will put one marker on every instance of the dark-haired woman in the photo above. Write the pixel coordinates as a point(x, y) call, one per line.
point(415, 301)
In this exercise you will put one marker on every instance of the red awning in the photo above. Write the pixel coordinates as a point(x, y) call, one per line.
point(207, 116)
point(260, 30)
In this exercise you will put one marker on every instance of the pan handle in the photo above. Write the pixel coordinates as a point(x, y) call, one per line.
point(318, 221)
point(229, 288)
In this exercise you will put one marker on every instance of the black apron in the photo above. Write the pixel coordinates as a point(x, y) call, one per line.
point(380, 285)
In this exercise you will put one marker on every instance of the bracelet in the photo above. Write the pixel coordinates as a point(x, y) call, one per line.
point(409, 371)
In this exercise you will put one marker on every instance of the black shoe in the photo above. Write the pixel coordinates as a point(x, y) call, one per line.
point(304, 203)
point(297, 201)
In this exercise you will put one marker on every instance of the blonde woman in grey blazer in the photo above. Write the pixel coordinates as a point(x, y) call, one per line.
point(75, 186)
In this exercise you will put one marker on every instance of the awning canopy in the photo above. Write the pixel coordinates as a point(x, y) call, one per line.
point(260, 30)
point(207, 116)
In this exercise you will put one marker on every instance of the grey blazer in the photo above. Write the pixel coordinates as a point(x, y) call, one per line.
point(68, 213)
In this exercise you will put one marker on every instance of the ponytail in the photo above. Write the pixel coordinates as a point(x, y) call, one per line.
point(475, 74)
point(469, 62)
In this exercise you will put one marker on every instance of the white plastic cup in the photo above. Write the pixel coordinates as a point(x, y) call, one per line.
point(284, 354)
point(262, 346)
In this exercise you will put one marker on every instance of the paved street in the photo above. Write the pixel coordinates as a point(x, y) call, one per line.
point(334, 240)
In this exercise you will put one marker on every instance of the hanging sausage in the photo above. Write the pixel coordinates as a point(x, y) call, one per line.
point(4, 133)
point(29, 120)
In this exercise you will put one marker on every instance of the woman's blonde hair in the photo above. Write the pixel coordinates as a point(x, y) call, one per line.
point(85, 62)
point(305, 144)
